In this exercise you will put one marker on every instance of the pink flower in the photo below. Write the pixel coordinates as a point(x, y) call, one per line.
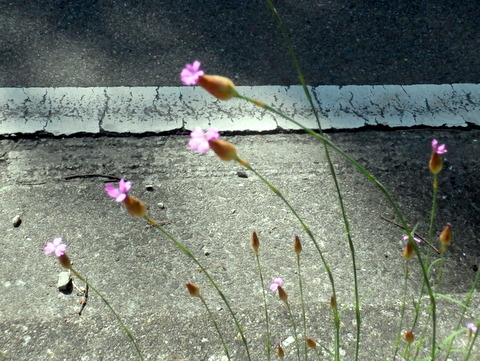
point(439, 149)
point(276, 282)
point(199, 139)
point(56, 246)
point(191, 73)
point(119, 193)
point(472, 327)
point(418, 240)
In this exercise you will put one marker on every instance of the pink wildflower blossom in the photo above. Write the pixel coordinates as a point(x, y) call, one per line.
point(199, 139)
point(276, 282)
point(56, 246)
point(416, 239)
point(439, 149)
point(191, 73)
point(472, 327)
point(119, 193)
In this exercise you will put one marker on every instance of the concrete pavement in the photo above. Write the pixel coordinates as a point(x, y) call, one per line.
point(212, 208)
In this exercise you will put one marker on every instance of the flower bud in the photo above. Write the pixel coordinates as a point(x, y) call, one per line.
point(435, 164)
point(282, 294)
point(408, 251)
point(409, 336)
point(255, 242)
point(297, 245)
point(311, 343)
point(219, 86)
point(280, 352)
point(333, 301)
point(194, 290)
point(445, 237)
point(225, 150)
point(135, 206)
point(65, 261)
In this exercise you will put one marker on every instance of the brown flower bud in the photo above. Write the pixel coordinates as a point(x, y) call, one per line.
point(445, 237)
point(194, 290)
point(280, 352)
point(333, 301)
point(297, 245)
point(311, 343)
point(435, 164)
point(135, 206)
point(219, 86)
point(408, 251)
point(255, 242)
point(225, 150)
point(409, 336)
point(65, 261)
point(282, 294)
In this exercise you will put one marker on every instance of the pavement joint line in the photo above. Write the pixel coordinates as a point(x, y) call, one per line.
point(70, 110)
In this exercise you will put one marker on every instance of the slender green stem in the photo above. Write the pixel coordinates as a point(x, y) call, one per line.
point(209, 277)
point(125, 328)
point(434, 209)
point(346, 223)
point(336, 316)
point(265, 306)
point(212, 317)
point(388, 197)
point(468, 299)
point(294, 326)
point(302, 302)
point(402, 312)
point(469, 351)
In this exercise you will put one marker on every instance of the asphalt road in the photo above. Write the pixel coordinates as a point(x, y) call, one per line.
point(138, 43)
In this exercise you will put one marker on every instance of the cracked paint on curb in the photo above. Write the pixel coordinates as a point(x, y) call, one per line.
point(137, 110)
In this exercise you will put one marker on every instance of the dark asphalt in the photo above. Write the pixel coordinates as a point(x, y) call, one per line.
point(139, 43)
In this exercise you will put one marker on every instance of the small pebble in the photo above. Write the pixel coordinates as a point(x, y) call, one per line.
point(64, 281)
point(161, 205)
point(16, 221)
point(149, 188)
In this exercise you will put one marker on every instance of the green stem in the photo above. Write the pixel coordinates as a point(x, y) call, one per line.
point(207, 274)
point(387, 195)
point(267, 322)
point(467, 304)
point(302, 302)
point(336, 316)
point(402, 312)
point(467, 356)
point(434, 209)
point(346, 223)
point(294, 326)
point(125, 328)
point(216, 326)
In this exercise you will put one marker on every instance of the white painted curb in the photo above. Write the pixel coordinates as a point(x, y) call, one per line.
point(66, 111)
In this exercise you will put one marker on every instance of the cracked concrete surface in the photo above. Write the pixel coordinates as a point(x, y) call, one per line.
point(137, 110)
point(212, 210)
